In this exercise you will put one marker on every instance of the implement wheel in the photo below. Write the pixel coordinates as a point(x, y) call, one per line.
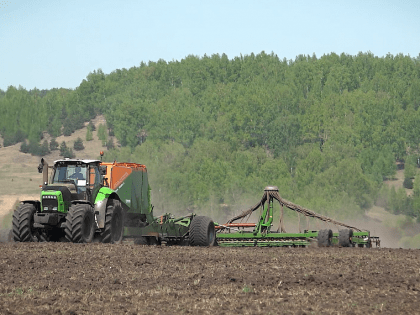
point(345, 238)
point(114, 220)
point(202, 232)
point(23, 223)
point(79, 226)
point(325, 238)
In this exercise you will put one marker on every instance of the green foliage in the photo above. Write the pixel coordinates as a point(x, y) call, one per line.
point(399, 203)
point(89, 134)
point(24, 148)
point(34, 148)
point(91, 126)
point(68, 129)
point(247, 289)
point(44, 148)
point(326, 130)
point(102, 134)
point(410, 242)
point(63, 148)
point(408, 183)
point(110, 144)
point(53, 144)
point(66, 152)
point(69, 154)
point(409, 169)
point(78, 144)
point(9, 140)
point(378, 164)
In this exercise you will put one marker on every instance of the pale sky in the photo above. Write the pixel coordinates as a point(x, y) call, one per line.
point(48, 44)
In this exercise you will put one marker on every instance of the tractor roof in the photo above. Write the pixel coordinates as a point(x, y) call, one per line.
point(76, 161)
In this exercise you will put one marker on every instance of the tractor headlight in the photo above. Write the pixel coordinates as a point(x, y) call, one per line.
point(49, 203)
point(50, 197)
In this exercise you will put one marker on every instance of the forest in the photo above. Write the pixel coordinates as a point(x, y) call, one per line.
point(215, 131)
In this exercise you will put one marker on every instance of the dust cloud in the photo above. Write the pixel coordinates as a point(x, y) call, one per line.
point(389, 236)
point(6, 235)
point(5, 227)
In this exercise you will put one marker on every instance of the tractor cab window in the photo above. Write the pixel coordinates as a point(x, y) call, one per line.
point(71, 173)
point(94, 180)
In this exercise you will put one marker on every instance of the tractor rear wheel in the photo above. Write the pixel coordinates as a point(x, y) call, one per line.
point(345, 238)
point(325, 238)
point(114, 220)
point(202, 232)
point(79, 226)
point(23, 223)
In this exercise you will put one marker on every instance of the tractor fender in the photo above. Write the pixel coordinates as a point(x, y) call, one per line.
point(36, 203)
point(101, 202)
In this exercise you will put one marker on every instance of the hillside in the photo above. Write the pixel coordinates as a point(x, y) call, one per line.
point(215, 131)
point(20, 181)
point(19, 177)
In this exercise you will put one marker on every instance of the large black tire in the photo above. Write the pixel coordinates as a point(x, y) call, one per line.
point(23, 223)
point(79, 226)
point(325, 238)
point(114, 223)
point(345, 238)
point(202, 232)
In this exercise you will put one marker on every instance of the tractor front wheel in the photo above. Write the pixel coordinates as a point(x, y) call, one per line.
point(79, 227)
point(23, 223)
point(114, 220)
point(202, 232)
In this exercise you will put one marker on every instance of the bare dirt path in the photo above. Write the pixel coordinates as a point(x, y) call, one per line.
point(64, 278)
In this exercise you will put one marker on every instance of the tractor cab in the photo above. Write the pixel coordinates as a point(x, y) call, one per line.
point(71, 180)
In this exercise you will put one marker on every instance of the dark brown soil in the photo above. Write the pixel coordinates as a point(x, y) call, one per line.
point(64, 278)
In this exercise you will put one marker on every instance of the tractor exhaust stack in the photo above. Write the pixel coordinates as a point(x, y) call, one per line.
point(43, 168)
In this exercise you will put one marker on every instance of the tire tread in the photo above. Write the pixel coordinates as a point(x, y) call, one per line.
point(199, 231)
point(344, 237)
point(324, 238)
point(107, 235)
point(21, 222)
point(74, 223)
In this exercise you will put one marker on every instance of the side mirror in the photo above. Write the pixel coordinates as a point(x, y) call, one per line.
point(102, 170)
point(41, 166)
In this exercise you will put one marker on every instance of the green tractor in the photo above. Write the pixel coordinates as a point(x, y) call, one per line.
point(87, 199)
point(68, 204)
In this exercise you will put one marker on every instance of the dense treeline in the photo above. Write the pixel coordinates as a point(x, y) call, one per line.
point(212, 130)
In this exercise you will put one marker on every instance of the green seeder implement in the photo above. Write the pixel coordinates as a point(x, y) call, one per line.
point(240, 234)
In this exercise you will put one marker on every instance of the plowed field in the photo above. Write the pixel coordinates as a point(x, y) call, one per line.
point(64, 278)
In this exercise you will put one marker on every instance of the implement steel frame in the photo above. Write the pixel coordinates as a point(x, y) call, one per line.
point(262, 236)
